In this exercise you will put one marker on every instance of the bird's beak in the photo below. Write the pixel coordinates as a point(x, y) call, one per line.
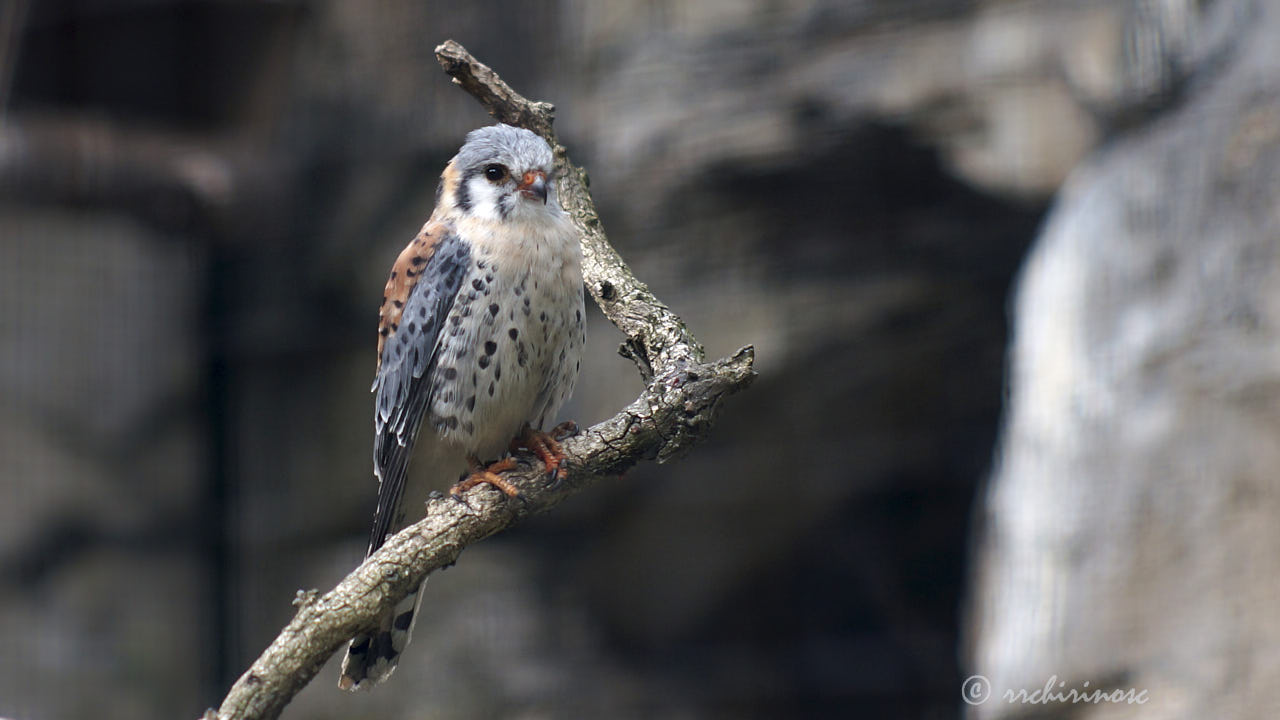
point(534, 185)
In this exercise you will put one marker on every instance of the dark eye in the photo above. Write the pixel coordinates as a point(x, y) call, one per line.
point(495, 173)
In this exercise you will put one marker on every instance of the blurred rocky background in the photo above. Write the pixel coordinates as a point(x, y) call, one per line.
point(936, 474)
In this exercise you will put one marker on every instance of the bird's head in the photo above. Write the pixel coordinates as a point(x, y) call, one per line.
point(502, 173)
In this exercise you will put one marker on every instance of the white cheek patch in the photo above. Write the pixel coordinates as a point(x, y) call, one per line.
point(485, 199)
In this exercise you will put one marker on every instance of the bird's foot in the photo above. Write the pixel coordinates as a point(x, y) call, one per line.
point(480, 473)
point(547, 446)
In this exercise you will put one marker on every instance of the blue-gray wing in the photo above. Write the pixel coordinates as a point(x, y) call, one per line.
point(419, 295)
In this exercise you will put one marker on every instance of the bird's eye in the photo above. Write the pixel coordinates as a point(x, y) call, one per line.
point(495, 173)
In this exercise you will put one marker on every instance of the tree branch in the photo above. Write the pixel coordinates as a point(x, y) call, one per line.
point(673, 413)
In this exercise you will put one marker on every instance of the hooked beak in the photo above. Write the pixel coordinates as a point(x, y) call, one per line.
point(534, 185)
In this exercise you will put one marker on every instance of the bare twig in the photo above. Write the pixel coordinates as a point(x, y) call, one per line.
point(673, 413)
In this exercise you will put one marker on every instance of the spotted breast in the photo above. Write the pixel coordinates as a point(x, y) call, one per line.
point(480, 342)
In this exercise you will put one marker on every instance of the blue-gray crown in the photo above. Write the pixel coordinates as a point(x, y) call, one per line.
point(517, 148)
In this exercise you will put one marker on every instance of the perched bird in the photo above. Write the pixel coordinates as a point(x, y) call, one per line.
point(479, 341)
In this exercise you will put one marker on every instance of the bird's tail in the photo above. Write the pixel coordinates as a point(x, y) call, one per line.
point(371, 658)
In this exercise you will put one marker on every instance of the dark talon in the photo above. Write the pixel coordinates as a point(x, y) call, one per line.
point(554, 475)
point(558, 477)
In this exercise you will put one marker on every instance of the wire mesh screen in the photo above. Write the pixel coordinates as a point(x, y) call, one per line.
point(102, 457)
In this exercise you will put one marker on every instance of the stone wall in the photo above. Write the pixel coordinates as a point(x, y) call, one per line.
point(1130, 516)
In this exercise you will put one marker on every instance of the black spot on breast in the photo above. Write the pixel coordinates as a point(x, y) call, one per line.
point(497, 373)
point(487, 278)
point(483, 361)
point(578, 315)
point(481, 264)
point(491, 347)
point(450, 373)
point(477, 284)
point(542, 317)
point(397, 303)
point(456, 320)
point(417, 260)
point(526, 302)
point(452, 422)
point(514, 333)
point(493, 309)
point(469, 427)
point(490, 389)
point(422, 312)
point(385, 331)
point(413, 327)
point(471, 403)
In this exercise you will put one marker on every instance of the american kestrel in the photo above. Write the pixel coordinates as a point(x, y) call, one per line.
point(479, 343)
